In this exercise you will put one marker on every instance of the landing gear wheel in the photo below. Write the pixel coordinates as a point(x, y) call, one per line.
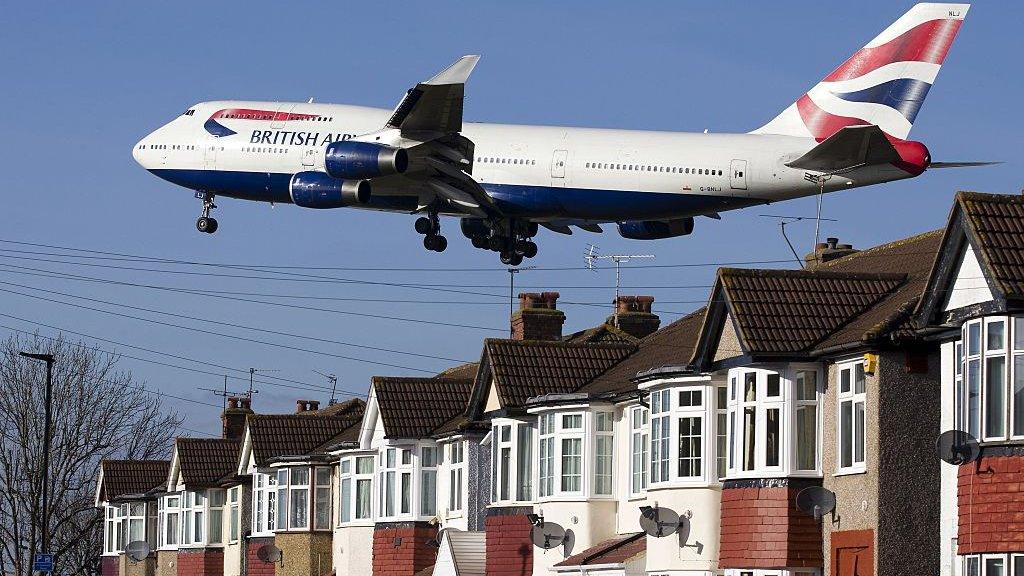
point(526, 248)
point(511, 258)
point(496, 243)
point(424, 226)
point(435, 243)
point(206, 224)
point(479, 242)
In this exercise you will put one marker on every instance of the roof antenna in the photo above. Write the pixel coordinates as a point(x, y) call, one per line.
point(252, 375)
point(224, 393)
point(512, 293)
point(334, 385)
point(783, 221)
point(591, 256)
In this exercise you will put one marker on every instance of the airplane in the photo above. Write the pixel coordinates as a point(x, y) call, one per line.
point(505, 181)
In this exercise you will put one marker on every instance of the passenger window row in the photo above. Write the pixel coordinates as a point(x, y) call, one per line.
point(271, 117)
point(165, 147)
point(265, 150)
point(652, 168)
point(519, 161)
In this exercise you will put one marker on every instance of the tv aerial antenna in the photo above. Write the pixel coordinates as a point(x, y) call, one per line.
point(252, 379)
point(592, 255)
point(224, 393)
point(957, 447)
point(333, 379)
point(817, 501)
point(785, 220)
point(512, 290)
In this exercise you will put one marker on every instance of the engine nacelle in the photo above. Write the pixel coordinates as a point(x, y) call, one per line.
point(318, 190)
point(350, 160)
point(655, 229)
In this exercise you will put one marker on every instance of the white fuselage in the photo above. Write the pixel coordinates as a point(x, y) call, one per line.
point(543, 173)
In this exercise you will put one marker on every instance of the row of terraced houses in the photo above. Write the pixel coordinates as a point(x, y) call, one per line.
point(840, 376)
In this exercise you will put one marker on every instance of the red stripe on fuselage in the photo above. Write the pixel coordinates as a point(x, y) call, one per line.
point(926, 42)
point(251, 114)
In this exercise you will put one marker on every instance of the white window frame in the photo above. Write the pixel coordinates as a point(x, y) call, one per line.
point(721, 412)
point(134, 513)
point(322, 500)
point(164, 511)
point(454, 466)
point(515, 438)
point(605, 437)
point(1011, 353)
point(263, 521)
point(854, 398)
point(292, 482)
point(113, 534)
point(234, 506)
point(195, 514)
point(1010, 561)
point(689, 411)
point(546, 455)
point(772, 572)
point(639, 445)
point(660, 470)
point(429, 464)
point(398, 463)
point(357, 477)
point(570, 434)
point(216, 500)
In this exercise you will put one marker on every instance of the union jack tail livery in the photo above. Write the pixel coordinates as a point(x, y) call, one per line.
point(883, 83)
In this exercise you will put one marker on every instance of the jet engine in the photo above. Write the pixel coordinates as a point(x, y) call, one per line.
point(318, 190)
point(655, 229)
point(350, 160)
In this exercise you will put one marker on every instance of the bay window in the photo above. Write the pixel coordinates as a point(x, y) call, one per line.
point(396, 482)
point(1011, 564)
point(264, 504)
point(770, 420)
point(303, 492)
point(134, 514)
point(639, 440)
point(456, 473)
point(113, 531)
point(355, 489)
point(852, 399)
point(193, 518)
point(990, 392)
point(512, 461)
point(575, 452)
point(298, 497)
point(169, 521)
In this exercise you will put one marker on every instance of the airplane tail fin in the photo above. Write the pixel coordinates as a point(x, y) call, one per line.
point(883, 83)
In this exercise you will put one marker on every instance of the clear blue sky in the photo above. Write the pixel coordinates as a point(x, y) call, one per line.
point(82, 82)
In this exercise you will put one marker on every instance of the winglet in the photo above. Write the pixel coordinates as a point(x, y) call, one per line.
point(457, 73)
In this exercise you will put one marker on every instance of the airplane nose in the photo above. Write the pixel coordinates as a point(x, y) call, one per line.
point(135, 153)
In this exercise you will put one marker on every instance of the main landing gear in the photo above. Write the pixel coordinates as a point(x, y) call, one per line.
point(206, 223)
point(430, 227)
point(510, 238)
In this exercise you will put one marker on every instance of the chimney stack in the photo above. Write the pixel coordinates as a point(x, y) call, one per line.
point(634, 316)
point(828, 251)
point(233, 418)
point(538, 317)
point(306, 406)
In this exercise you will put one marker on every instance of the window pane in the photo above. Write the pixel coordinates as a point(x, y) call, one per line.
point(973, 338)
point(858, 379)
point(995, 335)
point(300, 476)
point(974, 398)
point(322, 508)
point(732, 437)
point(720, 444)
point(323, 476)
point(807, 385)
point(346, 500)
point(844, 380)
point(689, 447)
point(364, 465)
point(406, 493)
point(972, 567)
point(806, 437)
point(772, 437)
point(750, 386)
point(300, 508)
point(282, 509)
point(428, 493)
point(858, 439)
point(571, 464)
point(363, 495)
point(1018, 336)
point(722, 397)
point(846, 434)
point(994, 567)
point(524, 464)
point(604, 422)
point(216, 526)
point(688, 398)
point(427, 457)
point(271, 511)
point(603, 465)
point(749, 434)
point(506, 463)
point(389, 494)
point(995, 405)
point(1018, 565)
point(1018, 396)
point(774, 386)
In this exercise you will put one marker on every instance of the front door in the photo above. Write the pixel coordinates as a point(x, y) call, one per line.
point(309, 158)
point(738, 175)
point(210, 156)
point(280, 115)
point(558, 165)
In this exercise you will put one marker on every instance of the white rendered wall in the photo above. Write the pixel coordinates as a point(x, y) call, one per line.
point(970, 286)
point(947, 504)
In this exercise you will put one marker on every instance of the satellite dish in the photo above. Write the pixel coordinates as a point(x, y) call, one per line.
point(658, 522)
point(269, 553)
point(138, 550)
point(547, 536)
point(957, 447)
point(816, 501)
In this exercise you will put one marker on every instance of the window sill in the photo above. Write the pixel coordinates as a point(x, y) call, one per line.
point(849, 472)
point(366, 522)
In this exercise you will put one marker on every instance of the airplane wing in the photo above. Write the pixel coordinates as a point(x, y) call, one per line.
point(435, 105)
point(850, 147)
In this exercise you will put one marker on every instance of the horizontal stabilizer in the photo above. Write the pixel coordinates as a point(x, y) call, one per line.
point(850, 147)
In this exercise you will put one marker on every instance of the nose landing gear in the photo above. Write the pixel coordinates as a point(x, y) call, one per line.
point(206, 223)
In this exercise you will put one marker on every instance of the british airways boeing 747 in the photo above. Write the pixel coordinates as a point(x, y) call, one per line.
point(504, 181)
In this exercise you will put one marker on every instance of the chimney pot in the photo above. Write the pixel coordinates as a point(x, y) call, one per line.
point(233, 403)
point(313, 405)
point(538, 317)
point(233, 418)
point(634, 316)
point(300, 406)
point(827, 251)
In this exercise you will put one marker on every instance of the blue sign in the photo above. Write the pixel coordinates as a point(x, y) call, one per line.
point(43, 563)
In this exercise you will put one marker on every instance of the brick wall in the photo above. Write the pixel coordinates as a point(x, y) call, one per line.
point(990, 499)
point(253, 565)
point(200, 562)
point(412, 554)
point(509, 547)
point(761, 527)
point(109, 566)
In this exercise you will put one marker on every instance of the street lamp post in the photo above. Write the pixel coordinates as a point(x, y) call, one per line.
point(48, 358)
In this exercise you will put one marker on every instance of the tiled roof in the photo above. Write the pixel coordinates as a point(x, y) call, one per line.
point(353, 406)
point(276, 435)
point(123, 477)
point(467, 370)
point(523, 369)
point(417, 407)
point(603, 333)
point(670, 346)
point(997, 223)
point(206, 461)
point(789, 311)
point(618, 550)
